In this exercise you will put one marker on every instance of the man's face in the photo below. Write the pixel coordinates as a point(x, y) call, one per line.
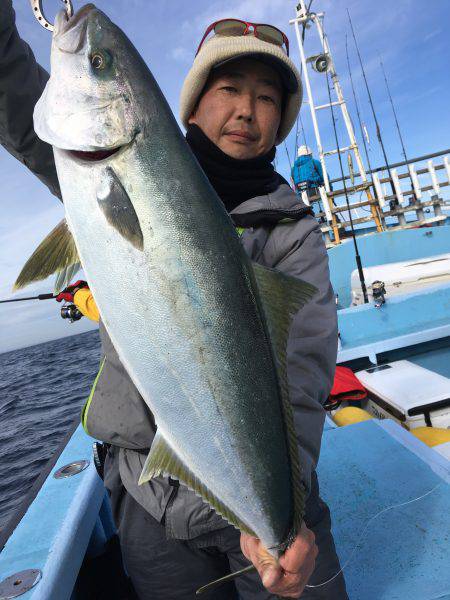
point(240, 109)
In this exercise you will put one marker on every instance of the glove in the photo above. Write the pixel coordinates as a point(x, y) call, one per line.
point(68, 293)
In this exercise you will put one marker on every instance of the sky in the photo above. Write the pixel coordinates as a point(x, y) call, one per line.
point(412, 42)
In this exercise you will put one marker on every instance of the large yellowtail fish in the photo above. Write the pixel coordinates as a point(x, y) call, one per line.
point(201, 331)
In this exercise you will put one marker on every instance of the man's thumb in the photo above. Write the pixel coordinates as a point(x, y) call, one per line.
point(270, 576)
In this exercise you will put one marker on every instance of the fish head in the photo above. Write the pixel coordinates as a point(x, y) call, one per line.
point(89, 103)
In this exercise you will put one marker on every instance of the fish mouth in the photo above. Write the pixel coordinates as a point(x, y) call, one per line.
point(64, 24)
point(94, 155)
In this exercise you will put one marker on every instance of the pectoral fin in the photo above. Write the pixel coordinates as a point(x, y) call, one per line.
point(118, 209)
point(162, 460)
point(57, 253)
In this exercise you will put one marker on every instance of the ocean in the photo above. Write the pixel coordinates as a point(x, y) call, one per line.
point(42, 391)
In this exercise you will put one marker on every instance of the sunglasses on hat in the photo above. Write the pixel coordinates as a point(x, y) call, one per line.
point(236, 27)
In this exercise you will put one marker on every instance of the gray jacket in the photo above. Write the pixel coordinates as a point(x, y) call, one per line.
point(278, 233)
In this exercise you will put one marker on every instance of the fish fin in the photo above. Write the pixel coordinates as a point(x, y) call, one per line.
point(56, 253)
point(119, 210)
point(65, 276)
point(282, 296)
point(162, 460)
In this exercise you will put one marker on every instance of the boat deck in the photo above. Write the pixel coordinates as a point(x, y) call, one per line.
point(364, 469)
point(402, 553)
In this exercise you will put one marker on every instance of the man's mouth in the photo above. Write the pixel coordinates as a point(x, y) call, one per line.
point(240, 134)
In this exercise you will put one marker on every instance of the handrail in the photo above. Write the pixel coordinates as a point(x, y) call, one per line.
point(395, 165)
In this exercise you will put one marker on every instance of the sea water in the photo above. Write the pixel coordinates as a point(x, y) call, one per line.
point(42, 391)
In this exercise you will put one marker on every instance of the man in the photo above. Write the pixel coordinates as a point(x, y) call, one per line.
point(307, 173)
point(240, 98)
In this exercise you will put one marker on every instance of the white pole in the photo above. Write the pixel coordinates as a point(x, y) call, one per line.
point(340, 96)
point(311, 103)
point(415, 181)
point(397, 186)
point(379, 190)
point(434, 180)
point(326, 204)
point(447, 167)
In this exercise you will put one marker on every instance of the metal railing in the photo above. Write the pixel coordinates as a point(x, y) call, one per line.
point(420, 203)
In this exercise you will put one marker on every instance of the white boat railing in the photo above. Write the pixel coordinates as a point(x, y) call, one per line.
point(419, 195)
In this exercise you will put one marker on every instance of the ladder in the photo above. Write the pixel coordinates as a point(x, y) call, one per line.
point(303, 17)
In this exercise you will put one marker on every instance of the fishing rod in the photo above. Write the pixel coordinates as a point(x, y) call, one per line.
point(40, 297)
point(289, 158)
point(395, 201)
point(68, 311)
point(357, 106)
point(357, 255)
point(397, 124)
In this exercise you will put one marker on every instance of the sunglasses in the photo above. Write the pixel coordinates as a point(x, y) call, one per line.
point(236, 27)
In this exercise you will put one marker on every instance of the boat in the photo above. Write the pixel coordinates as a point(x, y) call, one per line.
point(387, 490)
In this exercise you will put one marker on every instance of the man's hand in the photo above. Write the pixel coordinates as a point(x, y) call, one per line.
point(68, 293)
point(288, 576)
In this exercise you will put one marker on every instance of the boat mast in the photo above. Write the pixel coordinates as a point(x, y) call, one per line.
point(303, 17)
point(323, 63)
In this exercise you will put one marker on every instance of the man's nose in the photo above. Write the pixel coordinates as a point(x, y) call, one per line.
point(246, 108)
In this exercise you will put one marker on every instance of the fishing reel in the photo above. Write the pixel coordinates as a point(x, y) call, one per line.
point(71, 312)
point(378, 292)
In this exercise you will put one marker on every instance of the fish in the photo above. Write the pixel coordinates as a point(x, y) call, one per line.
point(201, 330)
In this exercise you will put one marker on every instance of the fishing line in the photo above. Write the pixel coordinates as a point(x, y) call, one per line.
point(366, 527)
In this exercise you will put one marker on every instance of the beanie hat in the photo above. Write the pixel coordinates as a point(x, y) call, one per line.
point(221, 49)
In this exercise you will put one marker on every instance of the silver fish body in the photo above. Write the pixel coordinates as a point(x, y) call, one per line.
point(174, 287)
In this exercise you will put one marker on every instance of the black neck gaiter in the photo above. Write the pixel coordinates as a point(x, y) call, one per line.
point(234, 180)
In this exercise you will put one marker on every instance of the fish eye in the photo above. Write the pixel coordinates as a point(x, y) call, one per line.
point(98, 61)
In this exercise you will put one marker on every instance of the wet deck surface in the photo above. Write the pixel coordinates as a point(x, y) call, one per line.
point(403, 553)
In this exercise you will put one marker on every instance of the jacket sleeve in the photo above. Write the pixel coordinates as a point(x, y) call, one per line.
point(22, 81)
point(85, 302)
point(312, 344)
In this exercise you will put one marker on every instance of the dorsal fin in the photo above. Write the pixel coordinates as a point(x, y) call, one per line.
point(282, 296)
point(162, 460)
point(56, 253)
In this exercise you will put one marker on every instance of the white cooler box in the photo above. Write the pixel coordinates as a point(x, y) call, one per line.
point(407, 393)
point(402, 277)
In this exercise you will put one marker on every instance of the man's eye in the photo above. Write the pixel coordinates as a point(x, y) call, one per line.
point(267, 99)
point(229, 88)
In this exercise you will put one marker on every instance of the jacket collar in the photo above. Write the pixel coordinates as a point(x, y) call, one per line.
point(270, 209)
